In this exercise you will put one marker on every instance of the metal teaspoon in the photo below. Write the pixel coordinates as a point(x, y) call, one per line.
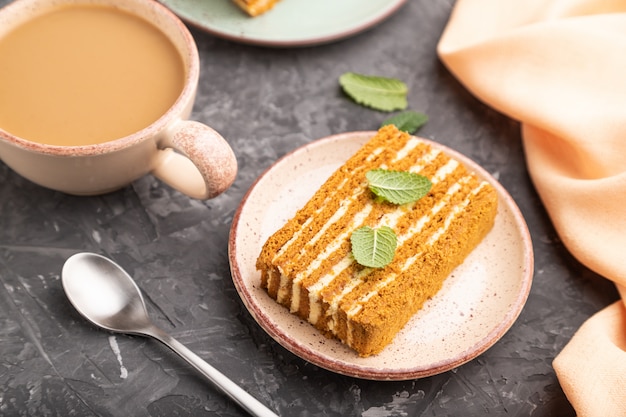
point(108, 297)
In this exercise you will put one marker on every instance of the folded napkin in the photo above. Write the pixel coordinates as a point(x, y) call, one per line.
point(559, 67)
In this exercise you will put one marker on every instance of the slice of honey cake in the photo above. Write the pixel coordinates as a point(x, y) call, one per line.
point(255, 7)
point(308, 265)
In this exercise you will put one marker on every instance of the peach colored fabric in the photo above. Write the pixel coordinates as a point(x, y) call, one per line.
point(559, 67)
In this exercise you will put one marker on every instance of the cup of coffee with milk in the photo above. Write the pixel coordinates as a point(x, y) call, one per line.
point(95, 94)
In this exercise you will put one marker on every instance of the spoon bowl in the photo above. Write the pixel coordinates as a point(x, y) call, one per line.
point(103, 293)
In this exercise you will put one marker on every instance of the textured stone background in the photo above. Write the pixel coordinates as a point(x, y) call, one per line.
point(265, 102)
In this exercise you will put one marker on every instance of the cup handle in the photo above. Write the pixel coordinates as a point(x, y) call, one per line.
point(195, 160)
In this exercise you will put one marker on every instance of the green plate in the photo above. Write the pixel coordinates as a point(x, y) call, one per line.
point(289, 23)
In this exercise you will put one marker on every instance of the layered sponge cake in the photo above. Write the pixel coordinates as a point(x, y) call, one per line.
point(255, 7)
point(308, 266)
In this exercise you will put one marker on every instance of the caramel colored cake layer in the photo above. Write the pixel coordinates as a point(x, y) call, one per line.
point(255, 7)
point(307, 265)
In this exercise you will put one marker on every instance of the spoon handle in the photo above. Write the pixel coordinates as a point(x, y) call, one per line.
point(235, 392)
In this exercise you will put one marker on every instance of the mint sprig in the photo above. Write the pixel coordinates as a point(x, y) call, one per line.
point(398, 187)
point(380, 93)
point(408, 121)
point(374, 248)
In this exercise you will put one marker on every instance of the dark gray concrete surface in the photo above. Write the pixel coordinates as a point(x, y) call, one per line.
point(266, 102)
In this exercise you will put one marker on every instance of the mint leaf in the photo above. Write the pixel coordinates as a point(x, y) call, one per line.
point(374, 248)
point(380, 93)
point(408, 121)
point(398, 187)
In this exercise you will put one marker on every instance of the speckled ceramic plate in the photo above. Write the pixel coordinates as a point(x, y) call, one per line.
point(477, 304)
point(289, 23)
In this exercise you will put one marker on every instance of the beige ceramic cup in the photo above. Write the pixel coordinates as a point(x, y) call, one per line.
point(187, 155)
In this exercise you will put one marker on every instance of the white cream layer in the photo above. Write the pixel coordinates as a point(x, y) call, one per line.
point(389, 219)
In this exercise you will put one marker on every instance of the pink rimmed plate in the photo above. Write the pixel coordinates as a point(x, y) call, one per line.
point(478, 303)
